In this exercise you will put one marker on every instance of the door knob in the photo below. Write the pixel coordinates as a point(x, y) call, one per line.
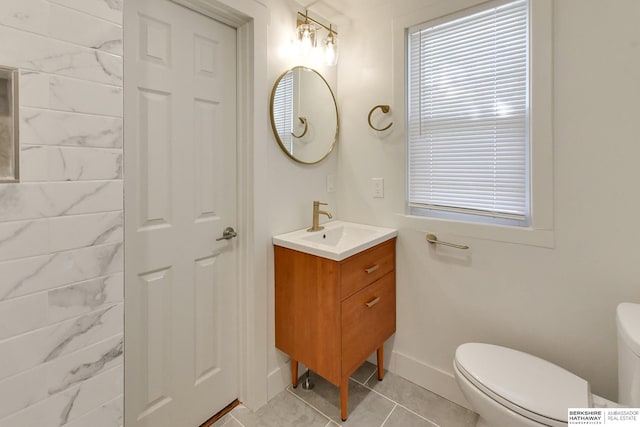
point(228, 233)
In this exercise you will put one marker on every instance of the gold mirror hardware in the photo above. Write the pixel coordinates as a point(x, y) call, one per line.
point(309, 96)
point(303, 120)
point(385, 109)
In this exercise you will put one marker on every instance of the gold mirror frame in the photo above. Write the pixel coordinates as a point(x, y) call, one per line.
point(304, 120)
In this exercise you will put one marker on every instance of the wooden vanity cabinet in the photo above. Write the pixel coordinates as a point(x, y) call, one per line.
point(331, 315)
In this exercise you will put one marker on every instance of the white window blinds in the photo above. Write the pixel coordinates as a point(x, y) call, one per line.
point(283, 110)
point(468, 108)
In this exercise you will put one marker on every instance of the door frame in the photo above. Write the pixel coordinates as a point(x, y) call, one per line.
point(250, 19)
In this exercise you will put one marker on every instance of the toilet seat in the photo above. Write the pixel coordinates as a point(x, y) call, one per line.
point(530, 386)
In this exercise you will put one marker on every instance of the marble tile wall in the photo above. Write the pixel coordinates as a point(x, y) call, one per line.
point(61, 227)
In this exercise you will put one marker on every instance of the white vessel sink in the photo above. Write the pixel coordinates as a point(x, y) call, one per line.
point(338, 240)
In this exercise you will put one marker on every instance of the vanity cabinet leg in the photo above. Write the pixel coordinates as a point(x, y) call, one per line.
point(380, 355)
point(344, 397)
point(294, 373)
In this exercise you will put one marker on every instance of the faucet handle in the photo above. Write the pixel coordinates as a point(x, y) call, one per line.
point(315, 202)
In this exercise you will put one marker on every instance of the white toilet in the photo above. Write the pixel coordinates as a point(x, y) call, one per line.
point(506, 387)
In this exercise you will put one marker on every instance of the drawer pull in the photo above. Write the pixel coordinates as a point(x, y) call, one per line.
point(372, 302)
point(372, 269)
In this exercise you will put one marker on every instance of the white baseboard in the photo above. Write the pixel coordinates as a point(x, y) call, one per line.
point(280, 378)
point(433, 379)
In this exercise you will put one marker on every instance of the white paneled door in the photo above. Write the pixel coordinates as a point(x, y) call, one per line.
point(181, 324)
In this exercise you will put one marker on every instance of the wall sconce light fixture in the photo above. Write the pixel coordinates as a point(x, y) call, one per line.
point(331, 47)
point(307, 38)
point(306, 35)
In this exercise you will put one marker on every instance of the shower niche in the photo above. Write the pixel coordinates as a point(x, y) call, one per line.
point(9, 145)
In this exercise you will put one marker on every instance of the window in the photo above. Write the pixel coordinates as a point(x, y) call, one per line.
point(283, 110)
point(468, 115)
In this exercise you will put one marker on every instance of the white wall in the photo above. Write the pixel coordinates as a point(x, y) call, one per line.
point(556, 303)
point(61, 319)
point(293, 186)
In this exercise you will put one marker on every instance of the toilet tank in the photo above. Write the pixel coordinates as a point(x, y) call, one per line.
point(628, 323)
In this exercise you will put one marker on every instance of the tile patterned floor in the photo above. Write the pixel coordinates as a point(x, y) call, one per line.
point(393, 402)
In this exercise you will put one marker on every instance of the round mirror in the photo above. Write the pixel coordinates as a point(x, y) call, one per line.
point(304, 115)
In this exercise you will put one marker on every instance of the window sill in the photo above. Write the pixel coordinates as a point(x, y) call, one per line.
point(500, 233)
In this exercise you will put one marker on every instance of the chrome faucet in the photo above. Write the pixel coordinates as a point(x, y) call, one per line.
point(316, 216)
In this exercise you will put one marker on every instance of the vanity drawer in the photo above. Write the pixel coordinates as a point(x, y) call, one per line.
point(368, 319)
point(367, 267)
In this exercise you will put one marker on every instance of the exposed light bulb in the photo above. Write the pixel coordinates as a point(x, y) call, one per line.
point(331, 49)
point(306, 36)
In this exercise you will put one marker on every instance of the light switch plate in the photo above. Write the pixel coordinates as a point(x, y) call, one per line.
point(331, 183)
